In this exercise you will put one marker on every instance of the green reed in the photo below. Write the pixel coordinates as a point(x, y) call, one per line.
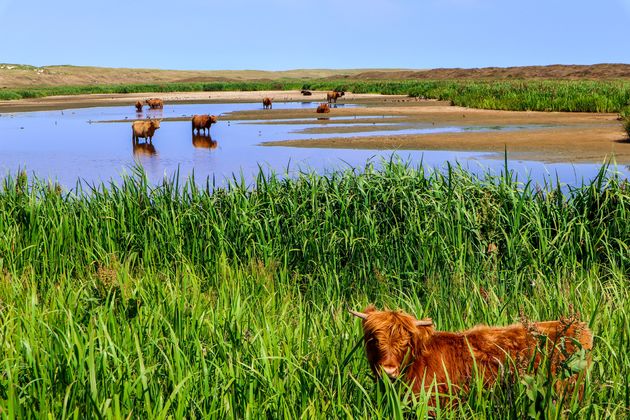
point(203, 302)
point(518, 95)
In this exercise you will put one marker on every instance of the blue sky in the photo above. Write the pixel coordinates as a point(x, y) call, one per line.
point(291, 34)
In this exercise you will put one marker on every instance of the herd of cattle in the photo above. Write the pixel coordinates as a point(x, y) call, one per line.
point(145, 129)
point(400, 346)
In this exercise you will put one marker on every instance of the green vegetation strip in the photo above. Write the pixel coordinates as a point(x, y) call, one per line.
point(127, 300)
point(517, 95)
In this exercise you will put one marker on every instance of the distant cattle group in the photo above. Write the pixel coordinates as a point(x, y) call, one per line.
point(200, 124)
point(145, 129)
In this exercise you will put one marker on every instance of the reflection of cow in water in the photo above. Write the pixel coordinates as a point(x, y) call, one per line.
point(323, 109)
point(144, 129)
point(139, 106)
point(143, 149)
point(201, 123)
point(204, 141)
point(155, 103)
point(267, 103)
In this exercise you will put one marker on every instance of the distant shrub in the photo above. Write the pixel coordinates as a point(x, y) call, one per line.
point(515, 95)
point(9, 95)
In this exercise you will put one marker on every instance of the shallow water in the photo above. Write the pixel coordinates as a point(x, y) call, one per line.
point(69, 145)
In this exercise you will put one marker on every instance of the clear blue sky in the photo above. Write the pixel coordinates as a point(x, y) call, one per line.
point(290, 34)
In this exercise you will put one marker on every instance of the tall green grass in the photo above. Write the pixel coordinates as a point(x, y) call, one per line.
point(131, 300)
point(517, 95)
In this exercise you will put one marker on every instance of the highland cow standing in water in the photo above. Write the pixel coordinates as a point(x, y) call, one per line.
point(334, 95)
point(201, 123)
point(155, 103)
point(144, 129)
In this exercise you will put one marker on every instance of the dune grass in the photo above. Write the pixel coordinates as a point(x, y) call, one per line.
point(516, 95)
point(131, 300)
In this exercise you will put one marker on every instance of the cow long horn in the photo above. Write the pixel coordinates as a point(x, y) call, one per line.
point(358, 314)
point(424, 322)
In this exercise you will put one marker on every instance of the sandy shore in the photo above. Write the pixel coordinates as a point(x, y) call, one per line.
point(85, 101)
point(572, 137)
point(560, 137)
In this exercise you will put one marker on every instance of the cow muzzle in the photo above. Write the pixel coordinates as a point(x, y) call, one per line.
point(391, 371)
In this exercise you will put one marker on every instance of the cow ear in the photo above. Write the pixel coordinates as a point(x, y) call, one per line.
point(370, 309)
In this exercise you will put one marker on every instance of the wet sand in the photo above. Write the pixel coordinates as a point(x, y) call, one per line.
point(561, 137)
point(565, 137)
point(86, 101)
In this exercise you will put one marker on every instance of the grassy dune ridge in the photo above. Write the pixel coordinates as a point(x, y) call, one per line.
point(170, 300)
point(517, 95)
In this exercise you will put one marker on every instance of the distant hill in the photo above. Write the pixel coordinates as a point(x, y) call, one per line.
point(17, 75)
point(556, 71)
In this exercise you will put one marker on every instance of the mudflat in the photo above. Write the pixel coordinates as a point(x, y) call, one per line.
point(561, 136)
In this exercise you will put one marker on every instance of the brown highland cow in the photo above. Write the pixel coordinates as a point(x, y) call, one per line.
point(399, 345)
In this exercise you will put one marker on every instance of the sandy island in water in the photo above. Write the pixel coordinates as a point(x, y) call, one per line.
point(563, 136)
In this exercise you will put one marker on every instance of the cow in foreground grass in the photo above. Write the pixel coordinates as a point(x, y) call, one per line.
point(333, 96)
point(155, 103)
point(201, 123)
point(267, 103)
point(401, 346)
point(144, 129)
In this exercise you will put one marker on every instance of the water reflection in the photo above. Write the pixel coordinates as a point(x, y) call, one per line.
point(64, 146)
point(155, 113)
point(145, 148)
point(204, 141)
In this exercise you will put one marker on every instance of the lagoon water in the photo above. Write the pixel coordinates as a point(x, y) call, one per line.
point(82, 144)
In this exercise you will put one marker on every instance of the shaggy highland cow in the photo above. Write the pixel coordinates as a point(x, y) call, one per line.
point(399, 345)
point(333, 96)
point(201, 123)
point(144, 129)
